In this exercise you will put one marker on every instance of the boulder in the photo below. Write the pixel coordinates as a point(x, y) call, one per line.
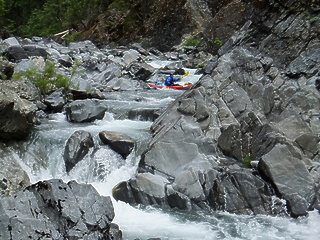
point(239, 191)
point(6, 70)
point(85, 110)
point(24, 89)
point(17, 52)
point(235, 191)
point(119, 142)
point(66, 61)
point(53, 209)
point(285, 169)
point(56, 100)
point(77, 146)
point(17, 116)
point(130, 56)
point(145, 188)
point(141, 71)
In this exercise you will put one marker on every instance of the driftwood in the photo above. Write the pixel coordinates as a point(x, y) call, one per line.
point(63, 34)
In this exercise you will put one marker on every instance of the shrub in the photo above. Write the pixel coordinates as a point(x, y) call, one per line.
point(247, 160)
point(193, 41)
point(46, 79)
point(218, 42)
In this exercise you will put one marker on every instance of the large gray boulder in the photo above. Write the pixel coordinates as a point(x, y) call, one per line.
point(18, 113)
point(119, 142)
point(77, 147)
point(85, 110)
point(284, 166)
point(56, 210)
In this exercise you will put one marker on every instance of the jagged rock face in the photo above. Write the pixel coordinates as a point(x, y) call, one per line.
point(54, 210)
point(247, 107)
point(164, 24)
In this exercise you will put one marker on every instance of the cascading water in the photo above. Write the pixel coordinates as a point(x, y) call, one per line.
point(42, 158)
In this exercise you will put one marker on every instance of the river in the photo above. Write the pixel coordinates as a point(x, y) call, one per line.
point(41, 157)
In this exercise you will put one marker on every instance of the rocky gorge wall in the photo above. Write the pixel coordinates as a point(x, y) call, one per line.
point(258, 100)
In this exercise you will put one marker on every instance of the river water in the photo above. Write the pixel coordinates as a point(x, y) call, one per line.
point(41, 157)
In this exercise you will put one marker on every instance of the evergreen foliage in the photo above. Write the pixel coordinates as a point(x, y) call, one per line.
point(27, 18)
point(43, 17)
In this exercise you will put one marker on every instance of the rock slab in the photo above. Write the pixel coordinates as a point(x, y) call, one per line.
point(56, 210)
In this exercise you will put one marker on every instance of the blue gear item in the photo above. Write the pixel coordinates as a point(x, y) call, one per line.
point(170, 79)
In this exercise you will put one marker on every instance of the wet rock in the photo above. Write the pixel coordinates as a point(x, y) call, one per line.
point(53, 209)
point(119, 142)
point(13, 177)
point(56, 100)
point(85, 110)
point(144, 114)
point(77, 147)
point(145, 188)
point(239, 191)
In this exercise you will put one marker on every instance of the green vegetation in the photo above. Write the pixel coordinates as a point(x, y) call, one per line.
point(218, 42)
point(314, 19)
point(27, 18)
point(193, 41)
point(201, 65)
point(43, 17)
point(311, 17)
point(47, 79)
point(247, 161)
